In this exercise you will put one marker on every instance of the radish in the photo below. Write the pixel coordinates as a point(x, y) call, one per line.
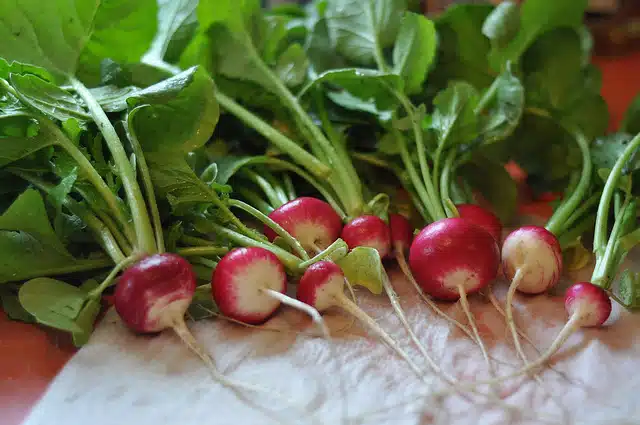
point(451, 258)
point(314, 223)
point(483, 218)
point(532, 255)
point(249, 284)
point(322, 287)
point(154, 294)
point(401, 238)
point(368, 231)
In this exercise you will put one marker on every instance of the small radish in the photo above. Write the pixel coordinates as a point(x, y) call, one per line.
point(483, 218)
point(401, 238)
point(154, 294)
point(451, 258)
point(322, 287)
point(368, 231)
point(249, 284)
point(314, 223)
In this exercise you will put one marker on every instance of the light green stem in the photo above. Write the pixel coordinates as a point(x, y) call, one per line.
point(144, 232)
point(202, 251)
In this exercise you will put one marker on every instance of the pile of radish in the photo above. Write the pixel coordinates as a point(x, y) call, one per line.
point(236, 176)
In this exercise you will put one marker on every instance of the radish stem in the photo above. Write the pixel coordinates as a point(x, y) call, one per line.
point(298, 305)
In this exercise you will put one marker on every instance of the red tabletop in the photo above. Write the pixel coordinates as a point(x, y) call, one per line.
point(30, 356)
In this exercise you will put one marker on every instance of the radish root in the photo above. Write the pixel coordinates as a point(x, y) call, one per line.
point(349, 306)
point(404, 267)
point(299, 305)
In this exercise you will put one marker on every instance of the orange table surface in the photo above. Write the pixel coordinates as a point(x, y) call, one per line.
point(31, 356)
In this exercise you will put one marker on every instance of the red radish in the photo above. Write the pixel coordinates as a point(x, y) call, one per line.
point(154, 294)
point(483, 218)
point(401, 232)
point(322, 287)
point(314, 223)
point(451, 258)
point(369, 231)
point(248, 285)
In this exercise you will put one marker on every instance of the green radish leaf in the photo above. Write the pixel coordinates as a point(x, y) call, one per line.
point(22, 136)
point(462, 48)
point(537, 17)
point(363, 266)
point(414, 50)
point(575, 256)
point(19, 68)
point(121, 31)
point(379, 206)
point(629, 289)
point(364, 28)
point(28, 243)
point(52, 302)
point(631, 121)
point(363, 89)
point(112, 98)
point(85, 321)
point(48, 98)
point(292, 66)
point(321, 50)
point(494, 183)
point(179, 113)
point(14, 310)
point(49, 34)
point(502, 24)
point(177, 24)
point(606, 150)
point(454, 118)
point(176, 182)
point(502, 114)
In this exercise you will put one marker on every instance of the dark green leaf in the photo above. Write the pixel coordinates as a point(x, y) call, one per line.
point(454, 117)
point(52, 302)
point(502, 24)
point(536, 18)
point(502, 114)
point(414, 50)
point(21, 136)
point(495, 185)
point(176, 182)
point(48, 98)
point(27, 241)
point(606, 150)
point(58, 194)
point(364, 28)
point(177, 114)
point(321, 50)
point(23, 69)
point(292, 66)
point(631, 121)
point(14, 310)
point(364, 89)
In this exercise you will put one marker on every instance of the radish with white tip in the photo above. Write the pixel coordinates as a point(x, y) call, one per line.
point(368, 231)
point(314, 223)
point(249, 284)
point(153, 295)
point(322, 287)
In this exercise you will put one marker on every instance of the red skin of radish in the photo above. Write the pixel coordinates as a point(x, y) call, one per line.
point(483, 218)
point(238, 279)
point(314, 223)
point(590, 301)
point(539, 250)
point(155, 292)
point(452, 252)
point(369, 231)
point(401, 231)
point(319, 284)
